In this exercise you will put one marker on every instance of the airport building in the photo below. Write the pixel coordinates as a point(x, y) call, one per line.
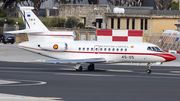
point(143, 18)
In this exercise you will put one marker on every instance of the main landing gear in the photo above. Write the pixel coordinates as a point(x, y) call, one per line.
point(78, 67)
point(148, 68)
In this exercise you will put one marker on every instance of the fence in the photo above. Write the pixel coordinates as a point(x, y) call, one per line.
point(166, 41)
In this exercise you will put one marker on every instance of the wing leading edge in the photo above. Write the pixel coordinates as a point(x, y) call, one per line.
point(92, 60)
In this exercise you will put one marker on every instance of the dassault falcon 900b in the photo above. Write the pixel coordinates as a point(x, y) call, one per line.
point(61, 46)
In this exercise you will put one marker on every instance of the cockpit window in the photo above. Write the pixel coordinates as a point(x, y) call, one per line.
point(153, 48)
point(157, 49)
point(149, 48)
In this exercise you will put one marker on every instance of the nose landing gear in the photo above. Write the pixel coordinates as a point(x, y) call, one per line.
point(148, 71)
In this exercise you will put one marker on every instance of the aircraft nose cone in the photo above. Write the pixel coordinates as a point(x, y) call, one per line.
point(169, 57)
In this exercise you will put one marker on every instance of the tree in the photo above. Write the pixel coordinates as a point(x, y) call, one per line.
point(175, 5)
point(35, 3)
point(80, 25)
point(4, 3)
point(2, 13)
point(67, 1)
point(58, 22)
point(127, 2)
point(162, 5)
point(10, 4)
point(72, 22)
point(93, 1)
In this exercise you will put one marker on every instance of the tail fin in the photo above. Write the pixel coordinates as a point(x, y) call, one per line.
point(31, 21)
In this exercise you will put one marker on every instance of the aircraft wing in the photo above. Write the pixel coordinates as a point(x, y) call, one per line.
point(24, 31)
point(92, 60)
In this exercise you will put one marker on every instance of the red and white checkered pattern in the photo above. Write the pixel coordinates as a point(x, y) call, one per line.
point(120, 35)
point(172, 51)
point(169, 37)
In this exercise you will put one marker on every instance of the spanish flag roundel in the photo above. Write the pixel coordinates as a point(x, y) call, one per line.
point(55, 46)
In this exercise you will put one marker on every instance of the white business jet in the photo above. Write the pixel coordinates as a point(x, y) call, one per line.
point(61, 46)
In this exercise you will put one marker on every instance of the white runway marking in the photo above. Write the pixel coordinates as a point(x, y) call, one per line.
point(10, 97)
point(73, 74)
point(175, 72)
point(20, 82)
point(120, 70)
point(2, 82)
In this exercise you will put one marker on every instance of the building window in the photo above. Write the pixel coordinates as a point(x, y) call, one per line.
point(127, 23)
point(133, 23)
point(112, 23)
point(141, 24)
point(146, 24)
point(118, 23)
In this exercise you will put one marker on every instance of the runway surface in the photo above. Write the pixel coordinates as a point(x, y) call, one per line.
point(106, 83)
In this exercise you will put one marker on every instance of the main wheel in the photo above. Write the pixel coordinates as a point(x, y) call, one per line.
point(148, 71)
point(79, 69)
point(91, 67)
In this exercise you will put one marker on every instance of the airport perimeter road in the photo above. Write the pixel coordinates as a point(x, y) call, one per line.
point(31, 81)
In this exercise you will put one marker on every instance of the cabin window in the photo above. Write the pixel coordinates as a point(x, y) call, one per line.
point(83, 49)
point(87, 49)
point(104, 49)
point(96, 49)
point(125, 49)
point(79, 48)
point(109, 49)
point(117, 49)
point(121, 49)
point(101, 49)
point(91, 49)
point(113, 49)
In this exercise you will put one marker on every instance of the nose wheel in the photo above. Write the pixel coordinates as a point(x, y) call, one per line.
point(148, 71)
point(148, 66)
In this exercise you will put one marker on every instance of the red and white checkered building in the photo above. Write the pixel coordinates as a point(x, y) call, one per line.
point(120, 35)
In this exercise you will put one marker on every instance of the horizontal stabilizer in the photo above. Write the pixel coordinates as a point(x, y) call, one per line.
point(93, 60)
point(24, 31)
